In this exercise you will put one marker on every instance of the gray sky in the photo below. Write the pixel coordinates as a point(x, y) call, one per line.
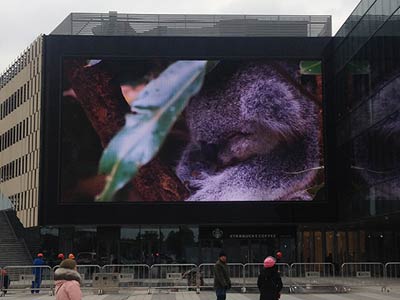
point(21, 21)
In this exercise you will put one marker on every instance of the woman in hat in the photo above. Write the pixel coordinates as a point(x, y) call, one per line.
point(67, 281)
point(269, 281)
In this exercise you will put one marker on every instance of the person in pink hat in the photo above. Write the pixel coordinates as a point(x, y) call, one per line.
point(269, 281)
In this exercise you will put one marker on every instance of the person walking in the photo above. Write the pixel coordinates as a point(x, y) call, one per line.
point(4, 281)
point(67, 281)
point(269, 281)
point(222, 281)
point(37, 271)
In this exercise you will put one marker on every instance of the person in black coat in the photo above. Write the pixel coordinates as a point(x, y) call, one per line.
point(222, 281)
point(269, 281)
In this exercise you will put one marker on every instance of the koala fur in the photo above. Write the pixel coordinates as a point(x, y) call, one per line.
point(250, 129)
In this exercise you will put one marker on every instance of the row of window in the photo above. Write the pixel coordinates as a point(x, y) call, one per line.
point(25, 169)
point(19, 166)
point(28, 217)
point(14, 101)
point(18, 132)
point(21, 62)
point(366, 96)
point(379, 13)
point(24, 200)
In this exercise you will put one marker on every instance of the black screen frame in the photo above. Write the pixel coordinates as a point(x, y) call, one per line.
point(52, 212)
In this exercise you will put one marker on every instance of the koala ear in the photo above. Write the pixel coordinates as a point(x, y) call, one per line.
point(269, 99)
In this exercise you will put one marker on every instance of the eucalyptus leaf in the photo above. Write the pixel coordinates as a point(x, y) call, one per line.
point(310, 67)
point(154, 113)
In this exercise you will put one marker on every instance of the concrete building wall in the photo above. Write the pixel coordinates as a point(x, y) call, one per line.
point(20, 105)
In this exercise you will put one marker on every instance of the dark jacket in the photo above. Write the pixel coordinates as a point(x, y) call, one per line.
point(221, 276)
point(270, 284)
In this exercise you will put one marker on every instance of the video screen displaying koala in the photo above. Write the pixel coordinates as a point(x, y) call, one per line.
point(163, 130)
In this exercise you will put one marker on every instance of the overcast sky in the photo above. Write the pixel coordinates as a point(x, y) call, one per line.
point(21, 21)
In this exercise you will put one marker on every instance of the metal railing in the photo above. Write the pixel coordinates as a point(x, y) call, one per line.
point(130, 276)
point(174, 277)
point(236, 273)
point(315, 273)
point(117, 24)
point(171, 276)
point(31, 279)
point(252, 270)
point(87, 273)
point(392, 277)
point(363, 274)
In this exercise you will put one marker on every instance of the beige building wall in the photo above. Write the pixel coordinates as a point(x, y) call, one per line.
point(20, 104)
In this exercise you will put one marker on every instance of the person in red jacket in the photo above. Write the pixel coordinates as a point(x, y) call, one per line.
point(278, 256)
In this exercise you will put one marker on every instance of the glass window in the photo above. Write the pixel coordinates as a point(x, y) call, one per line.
point(342, 246)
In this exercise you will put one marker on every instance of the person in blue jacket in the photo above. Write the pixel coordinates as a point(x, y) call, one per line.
point(38, 271)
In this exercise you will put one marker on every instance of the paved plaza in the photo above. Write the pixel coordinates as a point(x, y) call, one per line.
point(359, 294)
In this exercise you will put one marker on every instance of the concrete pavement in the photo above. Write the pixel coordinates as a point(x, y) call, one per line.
point(359, 294)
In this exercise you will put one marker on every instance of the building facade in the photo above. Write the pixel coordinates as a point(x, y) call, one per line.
point(356, 221)
point(20, 140)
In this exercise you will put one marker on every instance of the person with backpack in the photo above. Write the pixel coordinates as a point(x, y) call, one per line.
point(269, 281)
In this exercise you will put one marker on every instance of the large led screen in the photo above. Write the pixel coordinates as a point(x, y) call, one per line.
point(161, 130)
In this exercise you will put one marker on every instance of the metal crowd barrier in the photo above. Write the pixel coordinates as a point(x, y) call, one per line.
point(236, 272)
point(172, 276)
point(130, 276)
point(31, 279)
point(252, 270)
point(392, 276)
point(312, 273)
point(362, 274)
point(306, 276)
point(87, 273)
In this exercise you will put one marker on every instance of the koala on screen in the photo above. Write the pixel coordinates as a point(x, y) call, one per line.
point(252, 131)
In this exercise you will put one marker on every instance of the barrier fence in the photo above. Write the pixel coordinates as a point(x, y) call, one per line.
point(392, 276)
point(196, 277)
point(171, 276)
point(392, 271)
point(252, 270)
point(363, 274)
point(88, 273)
point(236, 273)
point(317, 274)
point(130, 276)
point(29, 278)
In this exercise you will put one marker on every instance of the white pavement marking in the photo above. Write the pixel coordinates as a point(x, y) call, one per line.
point(230, 296)
point(334, 296)
point(289, 297)
point(94, 297)
point(187, 296)
point(141, 297)
point(378, 296)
